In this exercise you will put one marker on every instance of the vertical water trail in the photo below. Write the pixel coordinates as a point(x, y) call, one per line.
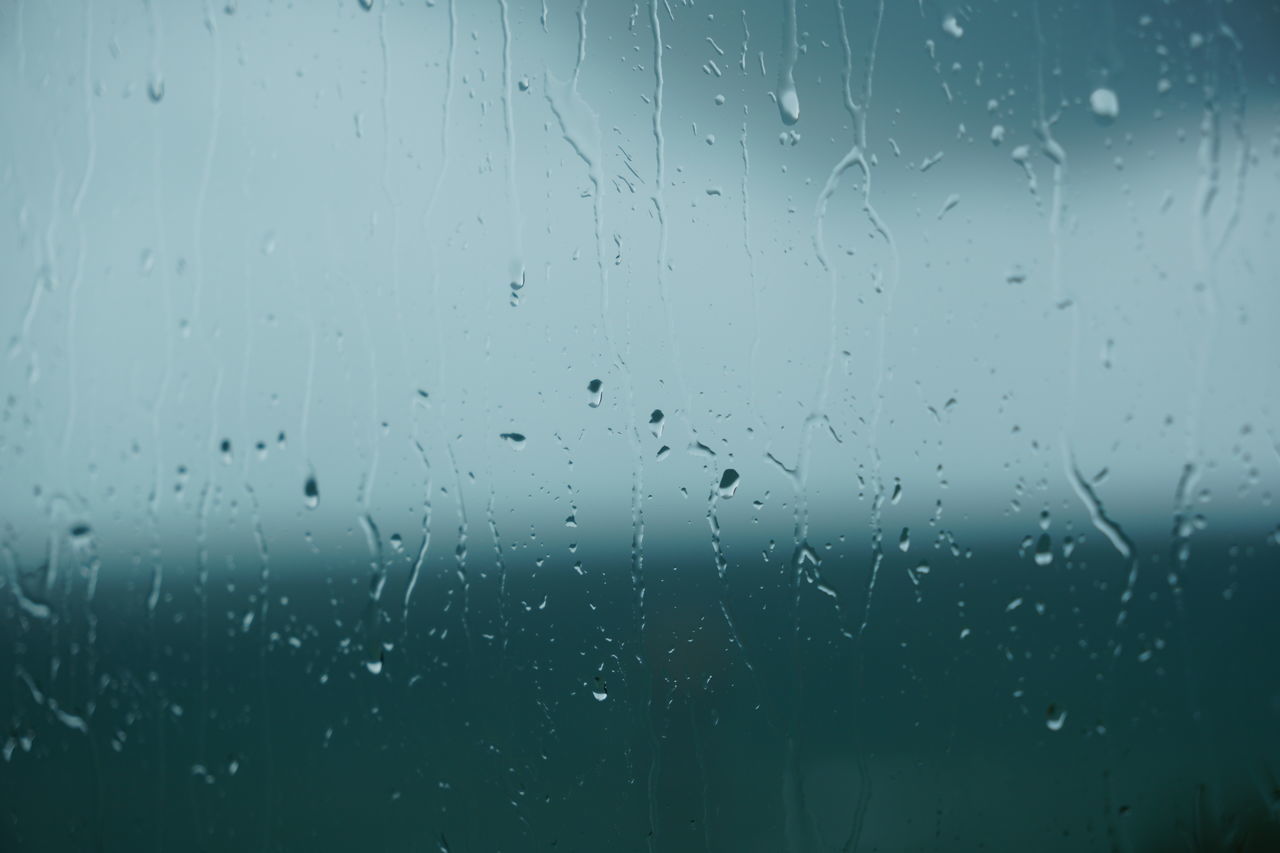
point(460, 551)
point(722, 571)
point(579, 125)
point(377, 565)
point(156, 91)
point(424, 548)
point(882, 326)
point(264, 594)
point(393, 205)
point(788, 98)
point(754, 285)
point(513, 193)
point(207, 493)
point(659, 207)
point(311, 493)
point(436, 312)
point(206, 173)
point(501, 566)
point(1057, 155)
point(73, 295)
point(166, 331)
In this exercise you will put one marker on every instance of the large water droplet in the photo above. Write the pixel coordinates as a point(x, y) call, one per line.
point(1044, 550)
point(515, 439)
point(596, 389)
point(728, 483)
point(656, 421)
point(789, 103)
point(311, 492)
point(600, 690)
point(1105, 104)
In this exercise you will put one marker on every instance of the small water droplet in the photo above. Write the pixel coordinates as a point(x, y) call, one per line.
point(397, 543)
point(663, 452)
point(1055, 718)
point(952, 27)
point(366, 4)
point(600, 690)
point(515, 439)
point(904, 541)
point(596, 389)
point(571, 520)
point(155, 88)
point(729, 481)
point(897, 493)
point(311, 492)
point(524, 84)
point(225, 448)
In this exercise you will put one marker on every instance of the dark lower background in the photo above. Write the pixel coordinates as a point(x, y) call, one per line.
point(482, 731)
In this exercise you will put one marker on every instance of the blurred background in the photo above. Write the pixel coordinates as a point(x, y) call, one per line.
point(478, 425)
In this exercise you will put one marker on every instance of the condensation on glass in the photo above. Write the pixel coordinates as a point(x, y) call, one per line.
point(807, 425)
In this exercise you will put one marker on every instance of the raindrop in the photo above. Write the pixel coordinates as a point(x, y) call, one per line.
point(952, 27)
point(600, 690)
point(515, 439)
point(1105, 104)
point(366, 4)
point(155, 88)
point(1044, 550)
point(80, 532)
point(728, 483)
point(225, 447)
point(663, 452)
point(904, 541)
point(1054, 718)
point(789, 103)
point(524, 84)
point(596, 388)
point(897, 493)
point(656, 421)
point(311, 492)
point(397, 543)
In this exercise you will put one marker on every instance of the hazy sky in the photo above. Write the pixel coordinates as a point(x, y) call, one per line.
point(298, 225)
